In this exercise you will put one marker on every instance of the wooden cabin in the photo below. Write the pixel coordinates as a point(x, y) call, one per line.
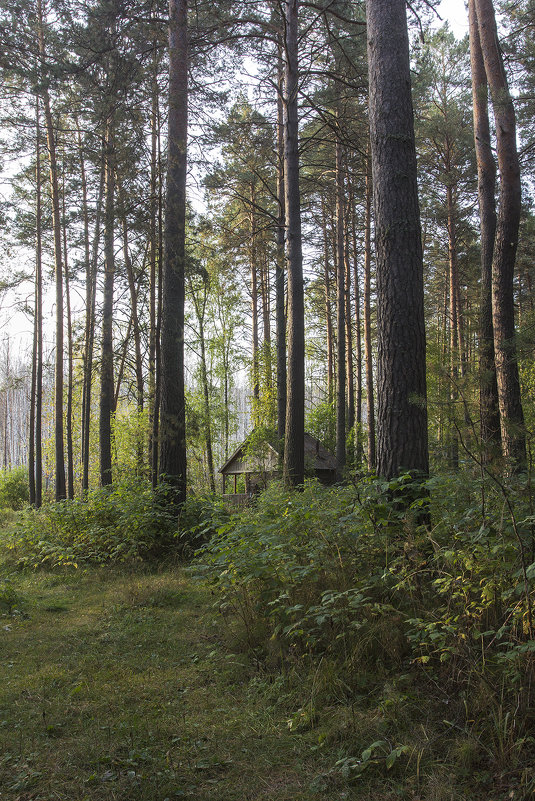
point(260, 463)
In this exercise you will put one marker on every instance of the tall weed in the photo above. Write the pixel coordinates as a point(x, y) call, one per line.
point(14, 493)
point(127, 521)
point(345, 576)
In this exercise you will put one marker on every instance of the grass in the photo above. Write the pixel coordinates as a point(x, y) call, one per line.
point(120, 685)
point(127, 683)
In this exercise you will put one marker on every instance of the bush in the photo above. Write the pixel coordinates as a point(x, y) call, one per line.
point(310, 566)
point(127, 521)
point(346, 572)
point(14, 490)
point(123, 522)
point(200, 518)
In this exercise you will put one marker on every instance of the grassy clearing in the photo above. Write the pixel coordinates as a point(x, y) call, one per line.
point(121, 685)
point(282, 679)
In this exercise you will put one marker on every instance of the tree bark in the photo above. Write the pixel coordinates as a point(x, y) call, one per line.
point(106, 370)
point(505, 243)
point(350, 381)
point(368, 353)
point(402, 440)
point(358, 341)
point(172, 452)
point(341, 374)
point(294, 449)
point(454, 329)
point(158, 351)
point(153, 264)
point(35, 444)
point(70, 361)
point(121, 364)
point(199, 304)
point(134, 292)
point(280, 310)
point(58, 265)
point(90, 299)
point(254, 313)
point(328, 320)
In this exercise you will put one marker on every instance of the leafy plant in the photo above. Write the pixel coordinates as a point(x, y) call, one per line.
point(14, 492)
point(9, 597)
point(127, 521)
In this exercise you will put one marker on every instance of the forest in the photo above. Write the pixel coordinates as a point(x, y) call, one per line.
point(267, 400)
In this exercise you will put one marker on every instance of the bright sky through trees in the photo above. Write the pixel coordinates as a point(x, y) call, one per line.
point(14, 323)
point(455, 12)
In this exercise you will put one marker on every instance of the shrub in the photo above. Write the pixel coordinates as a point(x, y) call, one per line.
point(344, 592)
point(310, 566)
point(345, 570)
point(14, 491)
point(126, 521)
point(200, 518)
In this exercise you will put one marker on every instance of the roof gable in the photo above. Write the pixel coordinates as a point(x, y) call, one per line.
point(317, 457)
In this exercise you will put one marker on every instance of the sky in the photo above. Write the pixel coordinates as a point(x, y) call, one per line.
point(456, 14)
point(19, 324)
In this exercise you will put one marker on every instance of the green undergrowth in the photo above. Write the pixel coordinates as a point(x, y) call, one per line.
point(428, 629)
point(122, 684)
point(321, 644)
point(129, 521)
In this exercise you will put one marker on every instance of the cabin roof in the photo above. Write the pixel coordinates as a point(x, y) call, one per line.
point(316, 455)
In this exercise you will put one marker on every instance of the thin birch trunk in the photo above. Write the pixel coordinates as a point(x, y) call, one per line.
point(58, 268)
point(280, 310)
point(294, 448)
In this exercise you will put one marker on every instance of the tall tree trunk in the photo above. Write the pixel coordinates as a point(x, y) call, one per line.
point(154, 247)
point(33, 386)
point(454, 329)
point(200, 312)
point(265, 291)
point(402, 442)
point(280, 310)
point(172, 406)
point(207, 411)
point(254, 313)
point(58, 265)
point(294, 444)
point(341, 376)
point(70, 358)
point(158, 350)
point(35, 444)
point(39, 315)
point(349, 343)
point(486, 179)
point(505, 244)
point(134, 292)
point(328, 320)
point(90, 300)
point(106, 370)
point(121, 364)
point(226, 337)
point(358, 340)
point(368, 353)
point(88, 294)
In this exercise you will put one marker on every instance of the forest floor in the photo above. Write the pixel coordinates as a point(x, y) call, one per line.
point(127, 683)
point(122, 684)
